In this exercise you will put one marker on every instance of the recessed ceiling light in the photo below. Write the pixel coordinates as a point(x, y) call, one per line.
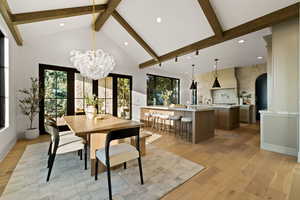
point(158, 20)
point(126, 43)
point(61, 24)
point(241, 41)
point(260, 57)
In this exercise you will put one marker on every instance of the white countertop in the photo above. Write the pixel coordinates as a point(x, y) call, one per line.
point(215, 106)
point(204, 108)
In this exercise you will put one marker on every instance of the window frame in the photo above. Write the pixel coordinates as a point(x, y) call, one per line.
point(172, 82)
point(4, 90)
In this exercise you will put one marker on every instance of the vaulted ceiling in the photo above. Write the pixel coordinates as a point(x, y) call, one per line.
point(183, 23)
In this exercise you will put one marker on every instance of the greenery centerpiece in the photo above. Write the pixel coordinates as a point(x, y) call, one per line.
point(29, 106)
point(91, 106)
point(166, 95)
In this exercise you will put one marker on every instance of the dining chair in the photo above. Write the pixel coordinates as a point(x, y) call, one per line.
point(63, 145)
point(113, 155)
point(62, 134)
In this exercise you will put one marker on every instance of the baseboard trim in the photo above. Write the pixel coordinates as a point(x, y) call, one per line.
point(280, 149)
point(7, 149)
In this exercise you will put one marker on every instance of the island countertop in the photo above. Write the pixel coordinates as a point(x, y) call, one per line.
point(189, 109)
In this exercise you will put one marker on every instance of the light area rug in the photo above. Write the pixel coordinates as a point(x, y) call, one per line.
point(163, 172)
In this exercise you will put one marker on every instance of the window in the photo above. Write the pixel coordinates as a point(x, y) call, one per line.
point(159, 86)
point(83, 88)
point(3, 80)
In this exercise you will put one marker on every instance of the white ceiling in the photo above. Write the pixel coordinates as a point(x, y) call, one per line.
point(183, 23)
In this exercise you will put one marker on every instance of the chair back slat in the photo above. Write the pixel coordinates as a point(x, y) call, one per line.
point(51, 128)
point(122, 134)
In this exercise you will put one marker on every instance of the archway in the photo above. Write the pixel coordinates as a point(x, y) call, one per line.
point(261, 94)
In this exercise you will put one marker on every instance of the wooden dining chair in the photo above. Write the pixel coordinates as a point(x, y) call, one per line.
point(113, 155)
point(63, 146)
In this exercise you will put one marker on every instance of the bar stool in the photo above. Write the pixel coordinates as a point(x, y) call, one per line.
point(176, 123)
point(163, 122)
point(186, 123)
point(148, 117)
point(155, 119)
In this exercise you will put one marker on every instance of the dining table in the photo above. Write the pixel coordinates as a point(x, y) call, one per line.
point(94, 131)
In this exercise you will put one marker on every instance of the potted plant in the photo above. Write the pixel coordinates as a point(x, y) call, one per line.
point(166, 95)
point(91, 106)
point(29, 105)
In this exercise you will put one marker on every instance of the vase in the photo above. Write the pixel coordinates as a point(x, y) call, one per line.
point(90, 112)
point(31, 134)
point(166, 103)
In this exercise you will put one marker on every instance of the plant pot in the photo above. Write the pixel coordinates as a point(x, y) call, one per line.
point(90, 112)
point(31, 134)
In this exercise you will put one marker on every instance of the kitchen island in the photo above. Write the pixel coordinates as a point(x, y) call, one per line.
point(227, 117)
point(203, 125)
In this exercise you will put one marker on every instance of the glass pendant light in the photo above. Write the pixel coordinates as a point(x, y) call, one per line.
point(95, 63)
point(216, 82)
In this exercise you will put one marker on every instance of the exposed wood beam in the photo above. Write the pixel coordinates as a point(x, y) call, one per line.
point(211, 17)
point(101, 19)
point(249, 27)
point(6, 14)
point(134, 34)
point(23, 18)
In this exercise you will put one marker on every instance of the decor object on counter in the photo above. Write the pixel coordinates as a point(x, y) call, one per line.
point(91, 106)
point(245, 98)
point(193, 87)
point(93, 64)
point(29, 105)
point(166, 95)
point(216, 83)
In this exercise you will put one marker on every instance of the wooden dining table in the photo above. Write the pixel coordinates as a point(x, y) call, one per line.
point(94, 131)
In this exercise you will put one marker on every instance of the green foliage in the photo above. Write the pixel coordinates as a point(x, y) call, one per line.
point(29, 103)
point(55, 93)
point(91, 100)
point(124, 97)
point(166, 95)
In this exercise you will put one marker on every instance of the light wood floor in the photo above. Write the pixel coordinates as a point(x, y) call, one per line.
point(236, 168)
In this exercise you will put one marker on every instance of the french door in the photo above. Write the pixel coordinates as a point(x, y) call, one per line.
point(64, 92)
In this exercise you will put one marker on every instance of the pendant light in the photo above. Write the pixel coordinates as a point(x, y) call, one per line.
point(94, 63)
point(216, 83)
point(193, 85)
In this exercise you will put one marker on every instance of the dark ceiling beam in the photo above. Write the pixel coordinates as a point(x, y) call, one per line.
point(211, 17)
point(102, 18)
point(134, 34)
point(37, 16)
point(6, 14)
point(260, 23)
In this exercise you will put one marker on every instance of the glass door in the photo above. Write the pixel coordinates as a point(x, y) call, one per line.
point(56, 94)
point(114, 93)
point(124, 98)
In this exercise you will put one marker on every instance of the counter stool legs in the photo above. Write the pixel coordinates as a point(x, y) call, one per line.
point(186, 128)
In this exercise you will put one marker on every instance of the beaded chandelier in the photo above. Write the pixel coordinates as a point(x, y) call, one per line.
point(93, 64)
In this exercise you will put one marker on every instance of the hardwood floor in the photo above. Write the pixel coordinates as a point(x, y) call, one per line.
point(236, 168)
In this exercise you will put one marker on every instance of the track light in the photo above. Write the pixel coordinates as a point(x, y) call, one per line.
point(176, 59)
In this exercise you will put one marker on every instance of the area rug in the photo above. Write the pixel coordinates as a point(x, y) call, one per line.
point(163, 172)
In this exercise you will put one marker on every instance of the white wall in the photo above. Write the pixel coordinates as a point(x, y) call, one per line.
point(55, 50)
point(8, 135)
point(280, 124)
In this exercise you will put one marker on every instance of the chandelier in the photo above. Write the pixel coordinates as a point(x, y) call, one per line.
point(93, 64)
